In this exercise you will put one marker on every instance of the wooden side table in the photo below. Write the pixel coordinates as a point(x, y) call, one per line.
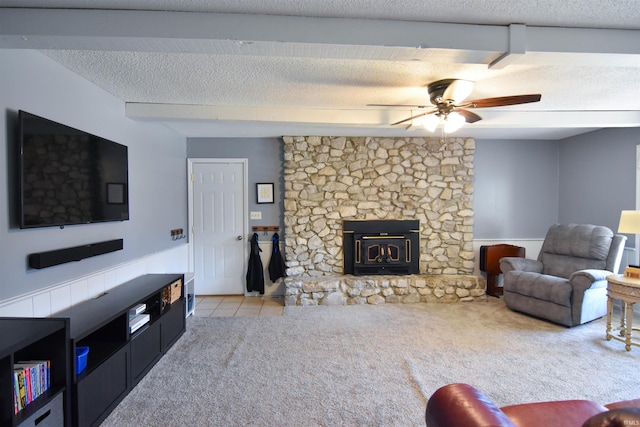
point(490, 263)
point(627, 290)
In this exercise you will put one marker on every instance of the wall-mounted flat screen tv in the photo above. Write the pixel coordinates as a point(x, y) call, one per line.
point(67, 176)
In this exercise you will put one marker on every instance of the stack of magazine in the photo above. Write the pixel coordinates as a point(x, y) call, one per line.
point(30, 380)
point(138, 318)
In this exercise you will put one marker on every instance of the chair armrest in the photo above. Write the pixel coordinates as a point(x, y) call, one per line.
point(554, 413)
point(520, 264)
point(463, 405)
point(633, 403)
point(586, 279)
point(615, 418)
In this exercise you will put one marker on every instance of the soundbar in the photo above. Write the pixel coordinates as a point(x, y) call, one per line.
point(77, 253)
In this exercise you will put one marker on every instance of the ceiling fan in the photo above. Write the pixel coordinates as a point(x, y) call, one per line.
point(448, 104)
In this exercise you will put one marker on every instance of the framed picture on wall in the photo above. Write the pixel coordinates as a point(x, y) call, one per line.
point(264, 191)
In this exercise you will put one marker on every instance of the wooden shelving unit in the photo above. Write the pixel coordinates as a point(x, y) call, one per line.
point(35, 339)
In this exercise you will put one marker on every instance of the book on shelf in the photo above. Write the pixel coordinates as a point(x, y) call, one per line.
point(16, 394)
point(31, 379)
point(19, 384)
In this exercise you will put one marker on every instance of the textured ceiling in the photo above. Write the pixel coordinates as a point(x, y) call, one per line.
point(276, 67)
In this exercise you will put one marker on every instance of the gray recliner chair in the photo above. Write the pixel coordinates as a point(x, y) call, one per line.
point(567, 283)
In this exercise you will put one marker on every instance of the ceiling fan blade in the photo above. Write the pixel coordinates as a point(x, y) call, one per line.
point(411, 118)
point(398, 105)
point(469, 116)
point(502, 100)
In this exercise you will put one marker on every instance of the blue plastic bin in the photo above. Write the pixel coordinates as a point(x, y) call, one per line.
point(81, 358)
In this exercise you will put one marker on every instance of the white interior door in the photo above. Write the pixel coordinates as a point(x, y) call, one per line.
point(218, 206)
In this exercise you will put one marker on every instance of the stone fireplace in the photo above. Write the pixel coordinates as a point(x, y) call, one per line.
point(331, 182)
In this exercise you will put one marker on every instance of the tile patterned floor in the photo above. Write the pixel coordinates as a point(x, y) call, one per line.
point(238, 306)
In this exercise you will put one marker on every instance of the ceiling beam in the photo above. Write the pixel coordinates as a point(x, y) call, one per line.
point(245, 34)
point(517, 47)
point(495, 118)
point(56, 28)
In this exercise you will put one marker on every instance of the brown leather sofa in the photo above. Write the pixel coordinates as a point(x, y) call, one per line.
point(464, 405)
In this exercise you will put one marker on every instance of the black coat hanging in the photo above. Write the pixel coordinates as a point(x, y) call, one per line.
point(277, 268)
point(255, 272)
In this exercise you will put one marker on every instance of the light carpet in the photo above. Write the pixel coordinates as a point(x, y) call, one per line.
point(371, 366)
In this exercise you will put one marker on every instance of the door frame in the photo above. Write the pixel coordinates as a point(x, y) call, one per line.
point(637, 190)
point(245, 204)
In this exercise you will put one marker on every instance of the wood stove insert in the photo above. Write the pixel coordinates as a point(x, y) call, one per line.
point(374, 247)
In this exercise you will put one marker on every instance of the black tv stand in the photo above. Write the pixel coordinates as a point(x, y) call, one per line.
point(118, 359)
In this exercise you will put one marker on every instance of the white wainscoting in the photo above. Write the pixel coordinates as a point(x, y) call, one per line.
point(629, 257)
point(59, 297)
point(62, 296)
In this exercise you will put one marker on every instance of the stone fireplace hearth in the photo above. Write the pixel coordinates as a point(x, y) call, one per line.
point(354, 290)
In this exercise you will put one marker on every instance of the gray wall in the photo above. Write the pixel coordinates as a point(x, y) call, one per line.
point(598, 177)
point(265, 163)
point(521, 186)
point(515, 188)
point(32, 82)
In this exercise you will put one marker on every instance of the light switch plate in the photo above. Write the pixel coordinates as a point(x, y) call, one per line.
point(256, 215)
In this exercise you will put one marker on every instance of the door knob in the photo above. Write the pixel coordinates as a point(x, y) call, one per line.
point(239, 238)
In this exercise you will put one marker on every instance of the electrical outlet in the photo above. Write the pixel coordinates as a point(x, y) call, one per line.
point(256, 215)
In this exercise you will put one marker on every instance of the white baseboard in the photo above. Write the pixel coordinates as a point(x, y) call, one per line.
point(61, 296)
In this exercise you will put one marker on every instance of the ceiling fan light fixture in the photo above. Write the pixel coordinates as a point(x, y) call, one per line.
point(431, 122)
point(453, 122)
point(447, 106)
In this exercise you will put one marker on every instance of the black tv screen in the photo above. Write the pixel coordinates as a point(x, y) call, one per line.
point(68, 176)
